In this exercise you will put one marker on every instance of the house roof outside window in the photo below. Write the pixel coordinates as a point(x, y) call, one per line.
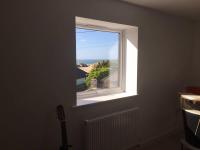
point(80, 74)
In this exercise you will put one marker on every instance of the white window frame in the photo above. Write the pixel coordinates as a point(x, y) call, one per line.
point(128, 50)
point(107, 91)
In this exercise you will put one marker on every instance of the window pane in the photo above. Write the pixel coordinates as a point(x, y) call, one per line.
point(97, 59)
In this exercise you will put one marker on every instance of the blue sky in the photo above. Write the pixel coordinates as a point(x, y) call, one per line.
point(93, 44)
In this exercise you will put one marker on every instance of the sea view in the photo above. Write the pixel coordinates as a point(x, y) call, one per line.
point(89, 61)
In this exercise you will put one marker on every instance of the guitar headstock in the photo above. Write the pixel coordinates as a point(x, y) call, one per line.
point(60, 113)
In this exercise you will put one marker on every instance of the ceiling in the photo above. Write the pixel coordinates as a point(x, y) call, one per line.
point(185, 8)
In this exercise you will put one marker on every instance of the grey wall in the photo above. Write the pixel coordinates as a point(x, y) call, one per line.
point(195, 73)
point(38, 72)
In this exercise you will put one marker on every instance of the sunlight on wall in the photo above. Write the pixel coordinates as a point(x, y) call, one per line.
point(131, 61)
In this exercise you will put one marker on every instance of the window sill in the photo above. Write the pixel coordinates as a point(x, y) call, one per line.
point(92, 100)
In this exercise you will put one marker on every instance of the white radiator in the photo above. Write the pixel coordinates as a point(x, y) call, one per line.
point(117, 131)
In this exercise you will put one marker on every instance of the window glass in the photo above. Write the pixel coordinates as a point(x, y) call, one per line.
point(97, 60)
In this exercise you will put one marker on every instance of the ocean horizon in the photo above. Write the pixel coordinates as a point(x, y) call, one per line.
point(89, 61)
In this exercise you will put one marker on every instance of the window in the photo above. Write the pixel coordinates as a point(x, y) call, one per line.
point(98, 61)
point(102, 59)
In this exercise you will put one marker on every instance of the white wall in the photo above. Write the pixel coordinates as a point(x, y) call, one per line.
point(38, 50)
